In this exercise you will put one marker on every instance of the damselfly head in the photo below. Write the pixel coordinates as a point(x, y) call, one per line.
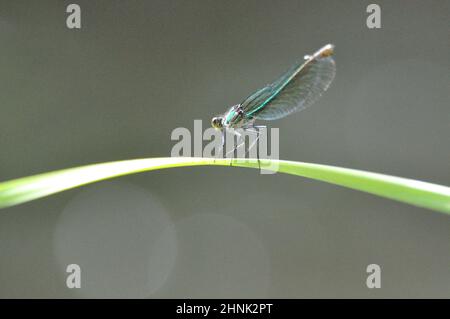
point(217, 122)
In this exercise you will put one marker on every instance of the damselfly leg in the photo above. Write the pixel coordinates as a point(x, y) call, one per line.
point(255, 129)
point(241, 141)
point(239, 137)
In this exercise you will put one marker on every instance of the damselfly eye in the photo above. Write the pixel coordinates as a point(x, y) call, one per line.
point(217, 122)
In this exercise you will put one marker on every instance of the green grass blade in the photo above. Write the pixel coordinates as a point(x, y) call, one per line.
point(422, 194)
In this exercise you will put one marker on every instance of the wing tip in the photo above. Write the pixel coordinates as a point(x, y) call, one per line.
point(325, 52)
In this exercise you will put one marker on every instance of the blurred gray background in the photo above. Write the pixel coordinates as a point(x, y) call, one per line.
point(138, 69)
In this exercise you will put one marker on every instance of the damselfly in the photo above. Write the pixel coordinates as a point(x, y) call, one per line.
point(295, 90)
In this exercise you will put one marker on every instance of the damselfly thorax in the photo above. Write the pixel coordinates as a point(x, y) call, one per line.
point(234, 118)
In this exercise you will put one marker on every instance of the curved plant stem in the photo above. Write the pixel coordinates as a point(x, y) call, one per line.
point(422, 194)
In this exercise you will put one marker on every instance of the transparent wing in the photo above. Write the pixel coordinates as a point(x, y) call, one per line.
point(295, 90)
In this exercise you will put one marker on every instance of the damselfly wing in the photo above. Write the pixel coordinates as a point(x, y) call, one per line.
point(295, 90)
